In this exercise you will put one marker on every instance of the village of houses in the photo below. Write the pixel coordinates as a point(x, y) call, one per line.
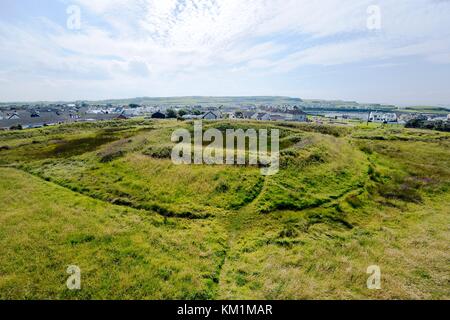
point(34, 116)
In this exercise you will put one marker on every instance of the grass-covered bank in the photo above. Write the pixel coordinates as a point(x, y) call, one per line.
point(105, 197)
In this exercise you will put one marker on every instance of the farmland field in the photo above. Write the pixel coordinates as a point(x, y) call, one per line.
point(106, 197)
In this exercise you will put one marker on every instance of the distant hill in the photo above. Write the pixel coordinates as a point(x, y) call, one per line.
point(307, 104)
point(427, 109)
point(204, 100)
point(188, 100)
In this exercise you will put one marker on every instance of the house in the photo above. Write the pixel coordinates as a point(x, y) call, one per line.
point(158, 115)
point(434, 118)
point(238, 115)
point(277, 117)
point(261, 116)
point(13, 116)
point(299, 115)
point(420, 117)
point(231, 115)
point(118, 110)
point(384, 117)
point(448, 117)
point(211, 115)
point(247, 115)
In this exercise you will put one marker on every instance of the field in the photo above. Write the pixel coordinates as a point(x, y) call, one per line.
point(106, 197)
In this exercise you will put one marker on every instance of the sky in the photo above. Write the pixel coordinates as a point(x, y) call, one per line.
point(377, 51)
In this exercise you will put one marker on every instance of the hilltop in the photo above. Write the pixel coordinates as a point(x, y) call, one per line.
point(105, 196)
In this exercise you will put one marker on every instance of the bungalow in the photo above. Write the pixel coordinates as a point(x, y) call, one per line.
point(247, 115)
point(261, 116)
point(277, 117)
point(231, 115)
point(434, 118)
point(299, 115)
point(420, 117)
point(13, 116)
point(210, 115)
point(158, 115)
point(118, 110)
point(238, 115)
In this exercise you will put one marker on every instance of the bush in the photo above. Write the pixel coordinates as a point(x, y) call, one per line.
point(159, 152)
point(288, 232)
point(110, 156)
point(406, 191)
point(430, 125)
point(16, 127)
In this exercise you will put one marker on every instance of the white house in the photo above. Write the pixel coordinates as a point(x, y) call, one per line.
point(385, 117)
point(299, 115)
point(448, 117)
point(261, 116)
point(14, 116)
point(210, 115)
point(94, 111)
point(231, 115)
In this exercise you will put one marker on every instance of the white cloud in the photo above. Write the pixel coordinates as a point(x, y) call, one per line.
point(152, 40)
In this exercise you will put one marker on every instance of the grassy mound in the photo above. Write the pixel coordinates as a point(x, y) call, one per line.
point(105, 196)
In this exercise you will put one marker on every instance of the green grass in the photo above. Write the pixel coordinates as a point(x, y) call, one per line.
point(123, 253)
point(106, 197)
point(426, 109)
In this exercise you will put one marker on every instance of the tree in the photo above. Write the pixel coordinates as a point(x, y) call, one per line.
point(171, 114)
point(431, 125)
point(16, 127)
